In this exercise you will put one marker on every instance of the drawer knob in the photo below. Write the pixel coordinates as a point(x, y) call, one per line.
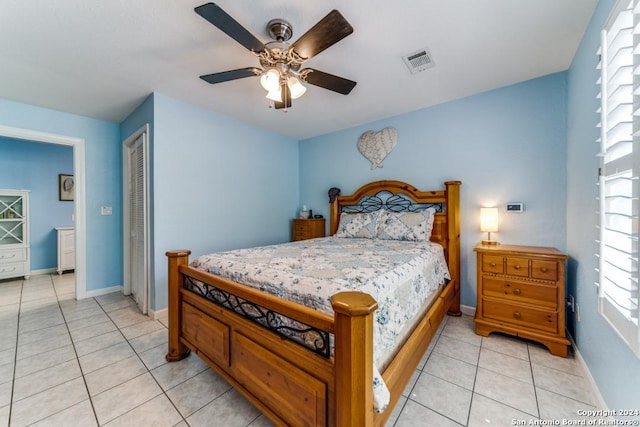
point(517, 314)
point(517, 291)
point(516, 267)
point(544, 269)
point(492, 264)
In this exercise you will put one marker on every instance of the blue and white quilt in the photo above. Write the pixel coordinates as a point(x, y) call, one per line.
point(400, 275)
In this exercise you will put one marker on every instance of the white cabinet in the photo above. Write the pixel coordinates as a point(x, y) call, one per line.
point(14, 234)
point(66, 249)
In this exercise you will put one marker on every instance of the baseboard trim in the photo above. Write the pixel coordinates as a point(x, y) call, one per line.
point(103, 291)
point(155, 315)
point(468, 310)
point(43, 271)
point(594, 386)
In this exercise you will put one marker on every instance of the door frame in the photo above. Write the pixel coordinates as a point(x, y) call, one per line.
point(126, 223)
point(79, 203)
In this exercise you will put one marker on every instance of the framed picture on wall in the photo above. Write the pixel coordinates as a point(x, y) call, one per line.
point(65, 187)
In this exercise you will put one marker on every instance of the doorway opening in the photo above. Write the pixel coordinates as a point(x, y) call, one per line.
point(79, 209)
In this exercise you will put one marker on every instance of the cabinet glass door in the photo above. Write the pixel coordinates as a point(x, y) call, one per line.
point(11, 220)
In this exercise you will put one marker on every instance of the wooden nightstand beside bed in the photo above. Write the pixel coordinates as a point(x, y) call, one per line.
point(521, 291)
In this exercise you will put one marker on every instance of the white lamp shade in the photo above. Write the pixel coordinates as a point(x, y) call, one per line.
point(270, 80)
point(489, 219)
point(275, 95)
point(297, 89)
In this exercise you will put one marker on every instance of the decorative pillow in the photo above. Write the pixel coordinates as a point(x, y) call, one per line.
point(362, 225)
point(413, 226)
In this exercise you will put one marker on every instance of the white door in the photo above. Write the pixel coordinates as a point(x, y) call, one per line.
point(138, 229)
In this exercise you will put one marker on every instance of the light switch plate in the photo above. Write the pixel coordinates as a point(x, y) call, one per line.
point(515, 207)
point(106, 210)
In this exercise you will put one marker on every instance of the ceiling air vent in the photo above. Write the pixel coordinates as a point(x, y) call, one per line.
point(419, 60)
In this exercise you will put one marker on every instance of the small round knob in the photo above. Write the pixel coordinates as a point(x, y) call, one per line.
point(517, 267)
point(492, 264)
point(544, 269)
point(517, 314)
point(517, 291)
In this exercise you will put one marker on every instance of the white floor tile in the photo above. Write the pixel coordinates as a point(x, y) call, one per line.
point(113, 375)
point(78, 415)
point(443, 397)
point(452, 370)
point(51, 401)
point(198, 391)
point(506, 365)
point(121, 399)
point(517, 394)
point(44, 379)
point(157, 412)
point(229, 410)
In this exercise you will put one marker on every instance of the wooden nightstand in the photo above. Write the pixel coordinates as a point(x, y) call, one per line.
point(307, 229)
point(521, 292)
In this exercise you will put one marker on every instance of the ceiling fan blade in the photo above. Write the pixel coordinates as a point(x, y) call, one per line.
point(218, 17)
point(225, 76)
point(327, 32)
point(286, 98)
point(327, 81)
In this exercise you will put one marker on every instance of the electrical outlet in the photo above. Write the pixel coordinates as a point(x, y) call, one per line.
point(106, 210)
point(571, 303)
point(577, 312)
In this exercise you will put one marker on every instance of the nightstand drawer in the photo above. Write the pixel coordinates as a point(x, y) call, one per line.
point(533, 318)
point(545, 270)
point(307, 229)
point(492, 264)
point(303, 235)
point(301, 227)
point(517, 266)
point(521, 291)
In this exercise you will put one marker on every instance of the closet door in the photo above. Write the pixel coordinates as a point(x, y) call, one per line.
point(138, 221)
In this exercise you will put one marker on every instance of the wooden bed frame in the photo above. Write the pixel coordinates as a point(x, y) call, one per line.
point(288, 382)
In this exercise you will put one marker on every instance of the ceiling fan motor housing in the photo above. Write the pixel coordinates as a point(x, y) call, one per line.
point(280, 30)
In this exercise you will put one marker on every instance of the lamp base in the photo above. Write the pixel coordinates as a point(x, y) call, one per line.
point(490, 242)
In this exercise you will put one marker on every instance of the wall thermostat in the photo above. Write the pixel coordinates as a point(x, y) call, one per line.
point(515, 207)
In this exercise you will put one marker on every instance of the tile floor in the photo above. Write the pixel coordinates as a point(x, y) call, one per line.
point(100, 362)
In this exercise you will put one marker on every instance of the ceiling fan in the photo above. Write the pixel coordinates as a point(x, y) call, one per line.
point(280, 62)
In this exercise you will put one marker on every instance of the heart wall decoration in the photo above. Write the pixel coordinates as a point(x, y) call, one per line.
point(375, 146)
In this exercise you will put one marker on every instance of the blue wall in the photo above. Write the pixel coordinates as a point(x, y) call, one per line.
point(506, 145)
point(615, 368)
point(33, 166)
point(103, 163)
point(218, 184)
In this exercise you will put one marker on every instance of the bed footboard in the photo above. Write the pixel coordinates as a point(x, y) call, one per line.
point(289, 383)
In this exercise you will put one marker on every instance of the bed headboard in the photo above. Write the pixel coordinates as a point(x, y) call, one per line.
point(400, 196)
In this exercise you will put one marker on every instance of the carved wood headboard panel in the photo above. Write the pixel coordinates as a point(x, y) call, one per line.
point(400, 196)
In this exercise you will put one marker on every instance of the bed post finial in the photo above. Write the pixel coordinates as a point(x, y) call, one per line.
point(333, 193)
point(353, 351)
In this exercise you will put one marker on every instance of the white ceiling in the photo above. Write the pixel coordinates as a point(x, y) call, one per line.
point(101, 58)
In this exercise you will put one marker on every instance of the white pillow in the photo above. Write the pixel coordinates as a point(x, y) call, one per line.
point(363, 225)
point(412, 226)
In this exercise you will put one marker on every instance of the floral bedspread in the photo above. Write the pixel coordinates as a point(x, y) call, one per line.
point(399, 275)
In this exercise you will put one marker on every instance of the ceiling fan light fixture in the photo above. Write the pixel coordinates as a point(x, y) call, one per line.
point(275, 95)
point(270, 80)
point(297, 89)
